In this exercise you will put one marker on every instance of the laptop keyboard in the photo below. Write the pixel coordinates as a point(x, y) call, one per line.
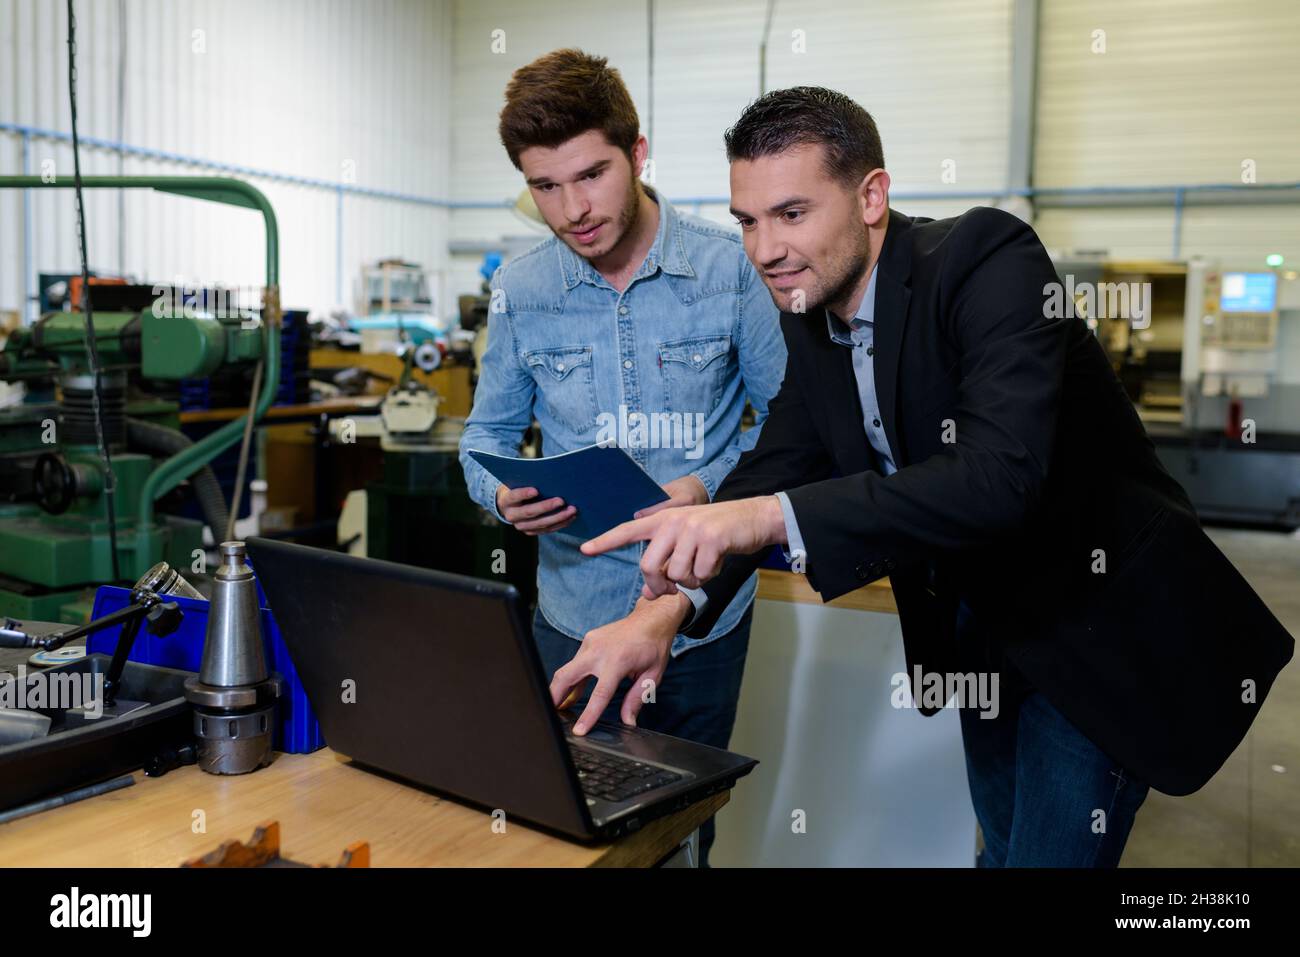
point(613, 778)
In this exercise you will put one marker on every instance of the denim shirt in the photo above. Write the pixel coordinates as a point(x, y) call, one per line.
point(694, 332)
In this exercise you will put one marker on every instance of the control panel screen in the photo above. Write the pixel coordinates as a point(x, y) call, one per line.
point(1248, 292)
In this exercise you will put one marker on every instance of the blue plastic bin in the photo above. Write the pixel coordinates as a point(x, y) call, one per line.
point(297, 730)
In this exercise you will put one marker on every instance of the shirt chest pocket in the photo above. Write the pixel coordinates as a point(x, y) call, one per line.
point(694, 373)
point(564, 379)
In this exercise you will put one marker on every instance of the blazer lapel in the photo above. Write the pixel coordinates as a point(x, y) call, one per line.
point(893, 292)
point(833, 369)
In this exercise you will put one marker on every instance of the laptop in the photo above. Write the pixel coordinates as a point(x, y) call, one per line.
point(447, 691)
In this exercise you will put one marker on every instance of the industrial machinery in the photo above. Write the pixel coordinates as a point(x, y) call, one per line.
point(1201, 348)
point(1236, 314)
point(419, 511)
point(1237, 450)
point(395, 302)
point(234, 694)
point(407, 415)
point(56, 528)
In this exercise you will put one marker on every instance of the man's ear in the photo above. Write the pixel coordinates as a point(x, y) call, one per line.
point(640, 150)
point(873, 197)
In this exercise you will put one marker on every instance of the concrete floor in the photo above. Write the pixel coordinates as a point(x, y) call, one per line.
point(1248, 815)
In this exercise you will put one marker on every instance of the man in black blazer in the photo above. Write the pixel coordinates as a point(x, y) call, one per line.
point(942, 423)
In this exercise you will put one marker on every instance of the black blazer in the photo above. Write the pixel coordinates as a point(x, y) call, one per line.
point(1023, 471)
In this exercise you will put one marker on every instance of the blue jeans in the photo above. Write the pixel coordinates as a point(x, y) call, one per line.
point(695, 700)
point(1044, 794)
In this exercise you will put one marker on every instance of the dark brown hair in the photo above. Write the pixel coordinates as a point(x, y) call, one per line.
point(802, 115)
point(562, 95)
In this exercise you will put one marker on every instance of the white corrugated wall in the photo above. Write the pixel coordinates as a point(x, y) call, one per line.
point(335, 90)
point(1185, 92)
point(935, 74)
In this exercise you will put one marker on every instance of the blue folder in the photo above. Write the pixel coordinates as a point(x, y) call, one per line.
point(603, 481)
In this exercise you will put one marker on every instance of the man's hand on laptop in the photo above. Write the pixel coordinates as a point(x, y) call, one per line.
point(687, 545)
point(687, 490)
point(635, 647)
point(520, 507)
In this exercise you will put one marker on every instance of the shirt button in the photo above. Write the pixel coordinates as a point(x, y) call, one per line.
point(876, 423)
point(559, 367)
point(622, 310)
point(871, 350)
point(627, 363)
point(697, 358)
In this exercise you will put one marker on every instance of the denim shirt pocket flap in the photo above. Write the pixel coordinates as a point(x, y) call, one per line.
point(561, 362)
point(696, 353)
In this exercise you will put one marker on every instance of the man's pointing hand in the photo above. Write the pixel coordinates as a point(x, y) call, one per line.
point(687, 545)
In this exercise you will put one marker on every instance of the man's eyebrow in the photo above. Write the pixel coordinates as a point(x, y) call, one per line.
point(778, 209)
point(785, 204)
point(593, 168)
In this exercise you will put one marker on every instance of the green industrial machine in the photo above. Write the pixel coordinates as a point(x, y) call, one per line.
point(55, 543)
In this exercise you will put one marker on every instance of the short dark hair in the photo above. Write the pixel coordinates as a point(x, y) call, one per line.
point(562, 95)
point(803, 115)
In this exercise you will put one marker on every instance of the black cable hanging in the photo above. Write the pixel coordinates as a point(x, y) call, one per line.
point(92, 349)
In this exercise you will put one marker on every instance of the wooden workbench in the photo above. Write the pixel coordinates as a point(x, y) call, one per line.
point(342, 405)
point(323, 803)
point(777, 585)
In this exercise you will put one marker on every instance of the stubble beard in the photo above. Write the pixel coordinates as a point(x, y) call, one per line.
point(624, 223)
point(841, 285)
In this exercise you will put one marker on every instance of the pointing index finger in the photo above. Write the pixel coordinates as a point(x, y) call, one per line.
point(639, 530)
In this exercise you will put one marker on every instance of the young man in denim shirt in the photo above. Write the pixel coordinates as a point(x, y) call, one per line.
point(632, 309)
